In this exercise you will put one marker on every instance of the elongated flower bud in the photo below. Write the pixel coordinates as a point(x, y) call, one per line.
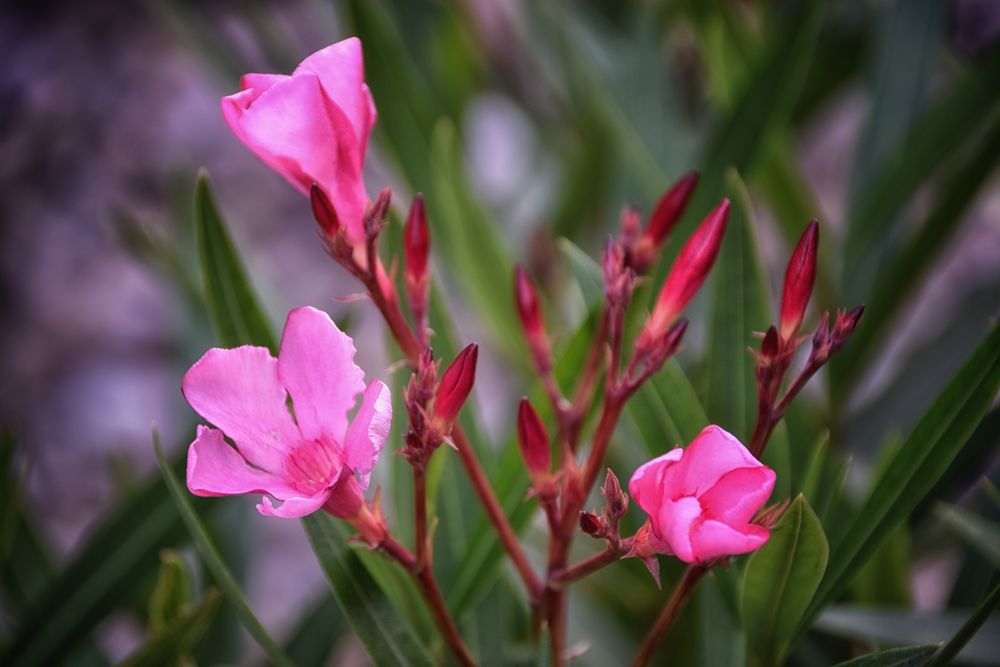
point(800, 277)
point(376, 213)
point(455, 386)
point(323, 211)
point(416, 248)
point(688, 273)
point(670, 208)
point(530, 312)
point(417, 240)
point(534, 442)
point(615, 500)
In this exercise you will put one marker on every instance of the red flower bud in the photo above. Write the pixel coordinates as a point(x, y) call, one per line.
point(375, 215)
point(799, 280)
point(323, 211)
point(534, 441)
point(455, 386)
point(770, 346)
point(670, 208)
point(530, 313)
point(631, 227)
point(593, 525)
point(846, 323)
point(689, 271)
point(615, 500)
point(417, 241)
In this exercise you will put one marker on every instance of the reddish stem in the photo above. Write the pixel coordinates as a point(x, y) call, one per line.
point(586, 567)
point(678, 598)
point(432, 595)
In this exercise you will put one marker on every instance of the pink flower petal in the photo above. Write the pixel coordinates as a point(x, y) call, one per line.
point(711, 539)
point(341, 71)
point(295, 507)
point(709, 456)
point(295, 129)
point(646, 485)
point(738, 495)
point(238, 391)
point(316, 366)
point(368, 432)
point(216, 469)
point(673, 525)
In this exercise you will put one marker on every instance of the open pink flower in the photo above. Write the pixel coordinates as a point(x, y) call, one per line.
point(700, 499)
point(308, 457)
point(312, 126)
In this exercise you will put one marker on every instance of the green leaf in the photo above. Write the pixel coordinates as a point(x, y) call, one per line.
point(385, 635)
point(170, 644)
point(467, 240)
point(99, 579)
point(740, 306)
point(213, 561)
point(972, 625)
point(906, 269)
point(588, 273)
point(943, 130)
point(232, 306)
point(895, 627)
point(318, 630)
point(907, 656)
point(981, 534)
point(780, 580)
point(915, 469)
point(171, 593)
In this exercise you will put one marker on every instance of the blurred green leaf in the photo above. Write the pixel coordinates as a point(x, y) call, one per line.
point(171, 593)
point(917, 466)
point(466, 239)
point(740, 306)
point(320, 627)
point(982, 534)
point(972, 625)
point(780, 580)
point(229, 298)
point(895, 627)
point(905, 270)
point(213, 561)
point(907, 656)
point(99, 579)
point(941, 132)
point(171, 643)
point(386, 636)
point(588, 273)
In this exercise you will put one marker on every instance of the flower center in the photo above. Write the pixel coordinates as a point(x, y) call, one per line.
point(310, 466)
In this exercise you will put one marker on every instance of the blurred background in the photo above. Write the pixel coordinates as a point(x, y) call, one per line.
point(543, 119)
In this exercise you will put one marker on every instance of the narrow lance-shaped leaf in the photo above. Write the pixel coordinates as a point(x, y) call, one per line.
point(780, 580)
point(380, 628)
point(914, 470)
point(232, 307)
point(213, 561)
point(906, 656)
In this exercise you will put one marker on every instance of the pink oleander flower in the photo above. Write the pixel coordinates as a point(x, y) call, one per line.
point(312, 126)
point(308, 456)
point(700, 500)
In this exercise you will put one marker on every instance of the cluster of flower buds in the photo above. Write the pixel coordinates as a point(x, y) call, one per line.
point(606, 525)
point(536, 450)
point(779, 344)
point(433, 405)
point(667, 213)
point(663, 331)
point(416, 248)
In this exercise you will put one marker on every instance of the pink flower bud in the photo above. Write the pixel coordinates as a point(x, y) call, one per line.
point(530, 313)
point(455, 386)
point(534, 442)
point(670, 209)
point(689, 271)
point(416, 242)
point(799, 280)
point(701, 500)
